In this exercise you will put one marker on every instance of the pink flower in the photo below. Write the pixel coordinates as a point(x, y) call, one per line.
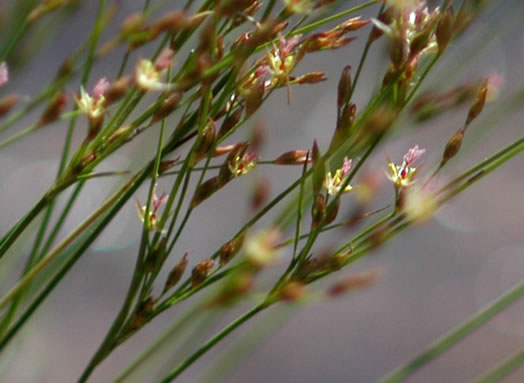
point(346, 167)
point(164, 59)
point(159, 201)
point(413, 155)
point(101, 88)
point(4, 74)
point(289, 45)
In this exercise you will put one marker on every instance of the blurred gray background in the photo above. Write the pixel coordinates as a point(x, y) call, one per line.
point(434, 276)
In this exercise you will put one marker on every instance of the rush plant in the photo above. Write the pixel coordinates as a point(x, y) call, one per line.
point(197, 75)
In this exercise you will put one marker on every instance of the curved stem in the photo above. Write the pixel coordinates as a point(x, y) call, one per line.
point(454, 336)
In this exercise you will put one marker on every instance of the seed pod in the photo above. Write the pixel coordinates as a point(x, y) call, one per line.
point(477, 107)
point(176, 274)
point(205, 190)
point(318, 211)
point(344, 124)
point(205, 144)
point(344, 87)
point(445, 27)
point(254, 97)
point(7, 103)
point(311, 78)
point(55, 107)
point(292, 291)
point(117, 90)
point(260, 193)
point(354, 282)
point(230, 249)
point(293, 157)
point(200, 272)
point(333, 213)
point(352, 24)
point(167, 106)
point(230, 122)
point(453, 146)
point(319, 169)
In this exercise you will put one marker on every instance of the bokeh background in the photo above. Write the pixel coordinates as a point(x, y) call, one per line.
point(434, 275)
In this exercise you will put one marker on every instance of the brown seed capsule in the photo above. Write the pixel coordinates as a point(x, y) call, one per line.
point(445, 28)
point(311, 78)
point(477, 107)
point(200, 272)
point(260, 193)
point(230, 249)
point(344, 87)
point(352, 24)
point(117, 90)
point(333, 213)
point(205, 190)
point(318, 211)
point(292, 291)
point(230, 122)
point(354, 282)
point(167, 106)
point(7, 103)
point(176, 274)
point(293, 157)
point(319, 169)
point(453, 146)
point(254, 96)
point(173, 21)
point(204, 146)
point(55, 107)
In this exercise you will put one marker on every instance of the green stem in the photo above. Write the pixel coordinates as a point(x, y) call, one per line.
point(503, 369)
point(454, 336)
point(214, 340)
point(66, 242)
point(174, 331)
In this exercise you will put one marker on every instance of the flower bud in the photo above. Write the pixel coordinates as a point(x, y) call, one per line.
point(55, 107)
point(444, 32)
point(318, 211)
point(354, 282)
point(293, 157)
point(167, 106)
point(7, 103)
point(205, 190)
point(333, 213)
point(344, 87)
point(311, 78)
point(254, 96)
point(477, 107)
point(230, 122)
point(176, 274)
point(453, 146)
point(352, 24)
point(117, 89)
point(319, 169)
point(260, 193)
point(292, 291)
point(201, 271)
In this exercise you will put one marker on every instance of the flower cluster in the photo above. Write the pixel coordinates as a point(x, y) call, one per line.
point(152, 222)
point(149, 75)
point(333, 183)
point(94, 105)
point(402, 175)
